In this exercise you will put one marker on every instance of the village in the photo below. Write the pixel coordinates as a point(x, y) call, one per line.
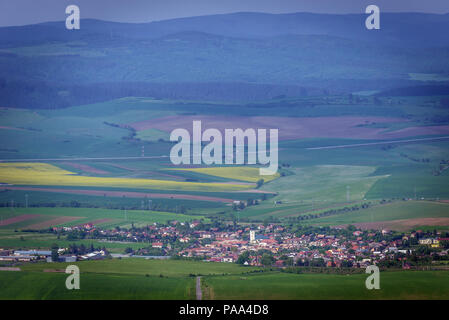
point(268, 245)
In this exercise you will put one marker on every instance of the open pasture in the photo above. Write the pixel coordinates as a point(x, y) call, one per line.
point(399, 215)
point(51, 286)
point(278, 286)
point(248, 174)
point(41, 218)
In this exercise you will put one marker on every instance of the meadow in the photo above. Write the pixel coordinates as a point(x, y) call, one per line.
point(400, 215)
point(407, 285)
point(311, 179)
point(105, 217)
point(152, 267)
point(173, 279)
point(51, 286)
point(248, 174)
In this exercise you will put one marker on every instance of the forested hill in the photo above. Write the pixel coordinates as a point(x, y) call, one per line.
point(397, 29)
point(241, 56)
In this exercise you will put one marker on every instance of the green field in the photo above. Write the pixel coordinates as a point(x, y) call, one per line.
point(51, 286)
point(168, 268)
point(84, 215)
point(12, 236)
point(272, 286)
point(401, 210)
point(171, 279)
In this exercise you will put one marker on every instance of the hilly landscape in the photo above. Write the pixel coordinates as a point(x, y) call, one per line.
point(363, 120)
point(233, 57)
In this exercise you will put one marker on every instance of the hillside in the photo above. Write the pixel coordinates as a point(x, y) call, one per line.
point(242, 56)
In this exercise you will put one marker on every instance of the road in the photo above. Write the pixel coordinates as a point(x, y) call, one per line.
point(166, 156)
point(199, 294)
point(376, 143)
point(82, 159)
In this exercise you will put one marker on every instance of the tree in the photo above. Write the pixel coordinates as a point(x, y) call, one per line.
point(266, 260)
point(82, 249)
point(128, 250)
point(289, 261)
point(54, 253)
point(244, 257)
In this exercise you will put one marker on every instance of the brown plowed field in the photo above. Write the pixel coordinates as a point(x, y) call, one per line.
point(20, 218)
point(98, 221)
point(402, 224)
point(53, 222)
point(86, 168)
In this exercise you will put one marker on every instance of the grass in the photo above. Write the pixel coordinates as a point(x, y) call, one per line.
point(26, 240)
point(274, 286)
point(248, 174)
point(11, 235)
point(152, 135)
point(309, 188)
point(117, 217)
point(394, 211)
point(173, 279)
point(135, 266)
point(51, 286)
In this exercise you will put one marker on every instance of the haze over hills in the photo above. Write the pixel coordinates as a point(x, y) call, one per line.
point(397, 29)
point(240, 56)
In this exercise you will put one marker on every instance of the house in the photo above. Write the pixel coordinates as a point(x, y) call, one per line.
point(227, 259)
point(157, 245)
point(427, 241)
point(39, 253)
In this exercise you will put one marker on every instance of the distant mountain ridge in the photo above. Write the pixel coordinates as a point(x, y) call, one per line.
point(241, 56)
point(397, 29)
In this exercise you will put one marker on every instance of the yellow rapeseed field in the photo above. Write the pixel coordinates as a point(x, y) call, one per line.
point(249, 174)
point(48, 175)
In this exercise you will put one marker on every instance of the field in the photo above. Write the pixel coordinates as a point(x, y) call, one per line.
point(25, 217)
point(45, 174)
point(51, 286)
point(393, 285)
point(248, 174)
point(171, 279)
point(168, 268)
point(14, 223)
point(83, 146)
point(292, 128)
point(401, 215)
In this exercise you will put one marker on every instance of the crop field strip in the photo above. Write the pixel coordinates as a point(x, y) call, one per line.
point(45, 174)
